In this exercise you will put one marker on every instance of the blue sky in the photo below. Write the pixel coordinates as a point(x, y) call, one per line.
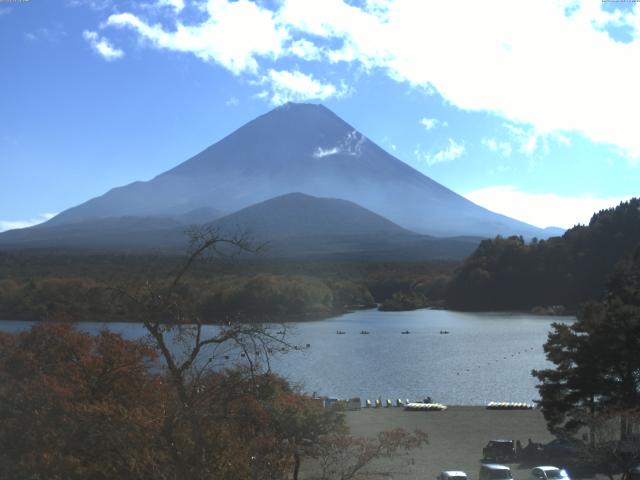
point(528, 108)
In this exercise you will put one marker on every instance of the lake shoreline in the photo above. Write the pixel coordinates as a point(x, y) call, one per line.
point(317, 316)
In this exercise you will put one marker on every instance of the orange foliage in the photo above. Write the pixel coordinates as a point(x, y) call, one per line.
point(74, 405)
point(78, 406)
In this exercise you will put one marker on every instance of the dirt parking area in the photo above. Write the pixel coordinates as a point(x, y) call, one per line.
point(456, 436)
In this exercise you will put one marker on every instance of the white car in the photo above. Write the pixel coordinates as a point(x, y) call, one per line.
point(452, 475)
point(492, 471)
point(548, 473)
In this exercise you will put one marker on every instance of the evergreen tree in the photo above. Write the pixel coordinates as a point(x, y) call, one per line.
point(597, 366)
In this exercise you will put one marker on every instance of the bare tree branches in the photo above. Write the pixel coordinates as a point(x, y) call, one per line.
point(191, 348)
point(342, 457)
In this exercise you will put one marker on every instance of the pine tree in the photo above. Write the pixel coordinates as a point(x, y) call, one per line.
point(597, 366)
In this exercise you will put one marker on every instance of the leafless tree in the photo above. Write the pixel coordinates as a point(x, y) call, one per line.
point(191, 347)
point(344, 457)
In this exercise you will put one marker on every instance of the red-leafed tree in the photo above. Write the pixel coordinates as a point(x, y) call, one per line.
point(73, 405)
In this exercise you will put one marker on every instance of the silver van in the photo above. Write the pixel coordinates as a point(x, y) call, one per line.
point(492, 471)
point(452, 475)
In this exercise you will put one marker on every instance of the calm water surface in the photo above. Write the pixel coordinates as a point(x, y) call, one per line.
point(485, 357)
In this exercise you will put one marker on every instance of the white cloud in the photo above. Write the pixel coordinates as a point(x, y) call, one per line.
point(541, 209)
point(571, 77)
point(325, 152)
point(448, 154)
point(93, 4)
point(234, 35)
point(549, 65)
point(294, 86)
point(13, 224)
point(177, 5)
point(350, 145)
point(46, 34)
point(527, 139)
point(232, 102)
point(431, 123)
point(361, 31)
point(504, 148)
point(305, 50)
point(102, 46)
point(562, 139)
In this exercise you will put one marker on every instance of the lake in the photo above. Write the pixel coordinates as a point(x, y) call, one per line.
point(485, 357)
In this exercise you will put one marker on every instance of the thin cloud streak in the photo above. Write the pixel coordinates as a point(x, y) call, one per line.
point(14, 224)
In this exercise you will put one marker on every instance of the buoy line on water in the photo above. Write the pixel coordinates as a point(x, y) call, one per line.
point(509, 406)
point(427, 407)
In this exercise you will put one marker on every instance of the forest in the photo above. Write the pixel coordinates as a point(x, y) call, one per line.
point(70, 287)
point(557, 274)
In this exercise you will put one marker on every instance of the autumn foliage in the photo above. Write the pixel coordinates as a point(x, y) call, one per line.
point(74, 405)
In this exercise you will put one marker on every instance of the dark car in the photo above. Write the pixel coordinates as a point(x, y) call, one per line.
point(562, 448)
point(499, 450)
point(632, 473)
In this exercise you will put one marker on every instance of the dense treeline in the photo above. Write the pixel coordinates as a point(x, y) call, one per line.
point(509, 273)
point(81, 287)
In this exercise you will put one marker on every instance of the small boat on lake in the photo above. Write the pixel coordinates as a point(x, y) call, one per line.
point(340, 332)
point(364, 332)
point(406, 332)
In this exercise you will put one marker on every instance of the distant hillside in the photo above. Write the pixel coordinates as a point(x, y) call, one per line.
point(104, 234)
point(300, 215)
point(300, 148)
point(293, 225)
point(299, 225)
point(509, 273)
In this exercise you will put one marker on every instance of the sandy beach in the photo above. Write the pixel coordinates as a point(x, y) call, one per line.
point(456, 436)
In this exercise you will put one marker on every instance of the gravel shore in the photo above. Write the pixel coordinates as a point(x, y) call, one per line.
point(456, 436)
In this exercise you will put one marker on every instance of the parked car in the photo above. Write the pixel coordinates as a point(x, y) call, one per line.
point(632, 473)
point(491, 471)
point(499, 450)
point(548, 473)
point(452, 475)
point(562, 448)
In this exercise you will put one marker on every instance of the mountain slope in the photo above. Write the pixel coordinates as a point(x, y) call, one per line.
point(300, 215)
point(293, 225)
point(299, 225)
point(300, 148)
point(111, 233)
